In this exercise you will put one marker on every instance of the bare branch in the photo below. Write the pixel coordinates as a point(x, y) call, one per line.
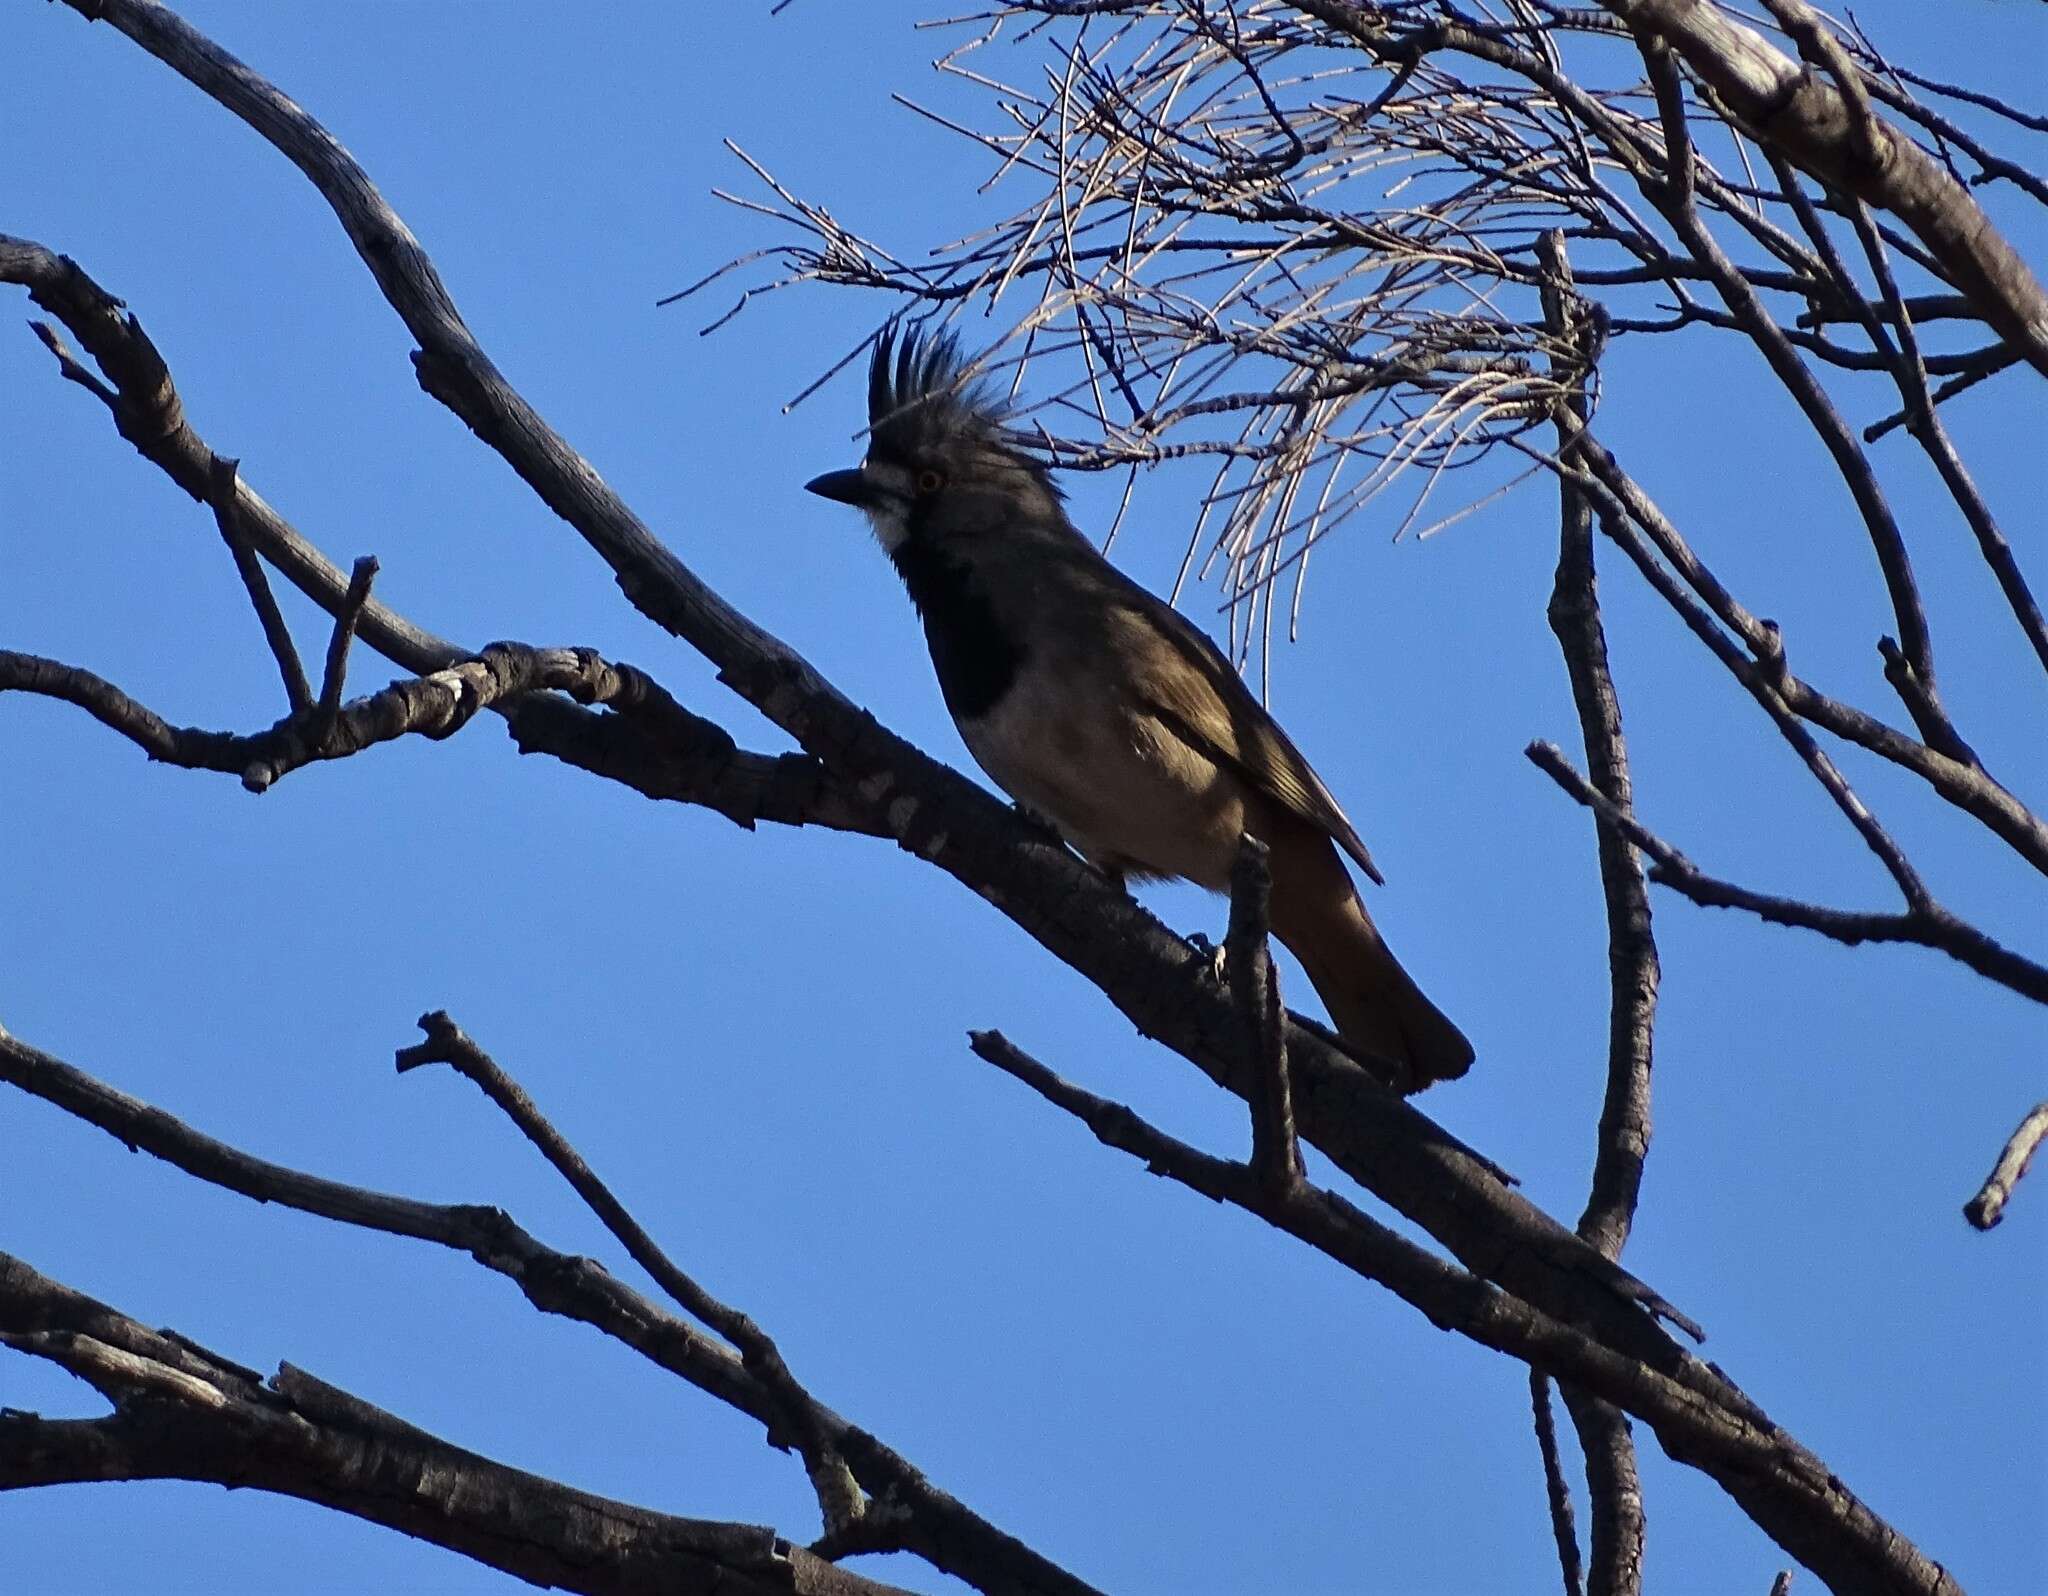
point(1726, 1442)
point(1255, 987)
point(223, 492)
point(148, 412)
point(680, 757)
point(1988, 1207)
point(1554, 1488)
point(802, 1421)
point(922, 1518)
point(1861, 480)
point(860, 777)
point(1808, 119)
point(435, 706)
point(1152, 976)
point(1633, 970)
point(1927, 925)
point(1922, 419)
point(345, 622)
point(1759, 664)
point(1617, 1522)
point(180, 1414)
point(931, 811)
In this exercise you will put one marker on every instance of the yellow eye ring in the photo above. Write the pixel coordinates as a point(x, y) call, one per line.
point(929, 481)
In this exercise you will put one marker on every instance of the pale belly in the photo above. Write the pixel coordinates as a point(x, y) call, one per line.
point(1123, 789)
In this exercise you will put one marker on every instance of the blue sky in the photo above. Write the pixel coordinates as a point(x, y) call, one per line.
point(759, 1039)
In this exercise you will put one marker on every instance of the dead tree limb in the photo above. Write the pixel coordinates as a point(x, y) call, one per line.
point(181, 1413)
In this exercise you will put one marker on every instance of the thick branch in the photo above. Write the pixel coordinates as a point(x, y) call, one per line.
point(181, 1414)
point(1617, 1523)
point(1754, 1460)
point(1799, 112)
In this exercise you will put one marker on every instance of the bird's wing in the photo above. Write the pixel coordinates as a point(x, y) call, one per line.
point(1209, 707)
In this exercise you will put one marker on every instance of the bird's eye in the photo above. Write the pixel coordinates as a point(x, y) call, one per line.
point(929, 481)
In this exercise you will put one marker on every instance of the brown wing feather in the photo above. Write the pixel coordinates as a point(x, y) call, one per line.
point(1211, 709)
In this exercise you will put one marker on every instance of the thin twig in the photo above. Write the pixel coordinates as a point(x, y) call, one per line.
point(1255, 988)
point(1927, 925)
point(360, 577)
point(1633, 521)
point(1558, 1493)
point(223, 496)
point(803, 1422)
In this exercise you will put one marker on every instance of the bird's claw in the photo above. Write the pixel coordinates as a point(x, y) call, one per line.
point(1215, 952)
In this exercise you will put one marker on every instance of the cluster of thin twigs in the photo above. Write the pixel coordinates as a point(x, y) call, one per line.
point(1256, 242)
point(1308, 240)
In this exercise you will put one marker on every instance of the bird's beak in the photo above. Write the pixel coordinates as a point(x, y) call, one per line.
point(848, 487)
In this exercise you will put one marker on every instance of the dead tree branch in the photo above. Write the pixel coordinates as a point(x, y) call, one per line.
point(435, 706)
point(1555, 1490)
point(871, 781)
point(906, 1511)
point(676, 756)
point(1927, 925)
point(1615, 1554)
point(222, 492)
point(1753, 1459)
point(346, 620)
point(1255, 987)
point(802, 1421)
point(1988, 1207)
point(181, 1413)
point(1826, 127)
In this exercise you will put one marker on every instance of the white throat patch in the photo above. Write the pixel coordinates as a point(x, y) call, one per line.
point(889, 526)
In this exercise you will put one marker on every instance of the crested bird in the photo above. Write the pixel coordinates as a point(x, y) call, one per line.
point(1101, 709)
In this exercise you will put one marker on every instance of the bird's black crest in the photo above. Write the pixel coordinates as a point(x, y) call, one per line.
point(919, 397)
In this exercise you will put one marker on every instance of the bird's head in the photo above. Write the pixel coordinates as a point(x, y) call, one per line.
point(939, 467)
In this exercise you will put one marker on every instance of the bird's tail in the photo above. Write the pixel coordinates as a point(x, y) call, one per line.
point(1374, 1003)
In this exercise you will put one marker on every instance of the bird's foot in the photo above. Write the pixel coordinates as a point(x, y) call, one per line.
point(1037, 822)
point(1216, 953)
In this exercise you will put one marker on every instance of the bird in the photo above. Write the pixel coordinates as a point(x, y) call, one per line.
point(1101, 709)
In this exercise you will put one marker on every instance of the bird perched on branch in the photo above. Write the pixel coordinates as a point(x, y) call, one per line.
point(1102, 709)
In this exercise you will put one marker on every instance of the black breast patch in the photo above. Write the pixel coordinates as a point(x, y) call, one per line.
point(975, 657)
